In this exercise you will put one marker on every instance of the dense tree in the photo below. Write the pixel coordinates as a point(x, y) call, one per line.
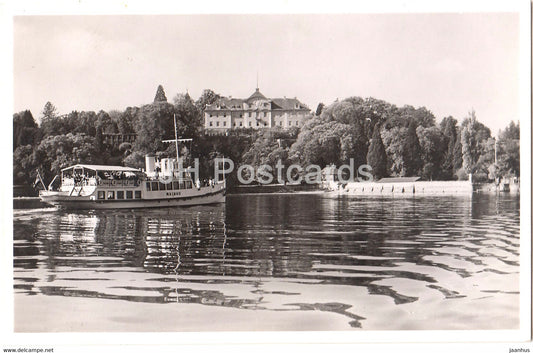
point(23, 165)
point(412, 152)
point(61, 151)
point(394, 141)
point(155, 122)
point(208, 97)
point(473, 133)
point(421, 116)
point(25, 129)
point(433, 148)
point(377, 157)
point(267, 149)
point(160, 95)
point(509, 151)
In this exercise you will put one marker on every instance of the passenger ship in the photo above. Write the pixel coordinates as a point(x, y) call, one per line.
point(163, 184)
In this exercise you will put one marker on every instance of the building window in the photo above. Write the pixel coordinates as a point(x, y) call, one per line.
point(110, 195)
point(175, 185)
point(120, 195)
point(240, 115)
point(129, 194)
point(264, 114)
point(296, 123)
point(210, 123)
point(250, 124)
point(290, 123)
point(155, 186)
point(210, 115)
point(169, 186)
point(240, 123)
point(101, 195)
point(257, 123)
point(148, 186)
point(218, 124)
point(224, 121)
point(161, 186)
point(137, 194)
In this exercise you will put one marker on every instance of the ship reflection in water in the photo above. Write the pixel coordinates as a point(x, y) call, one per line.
point(440, 263)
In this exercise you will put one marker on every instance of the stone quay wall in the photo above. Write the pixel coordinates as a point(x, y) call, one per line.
point(433, 188)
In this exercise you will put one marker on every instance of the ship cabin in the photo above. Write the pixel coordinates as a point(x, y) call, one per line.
point(84, 179)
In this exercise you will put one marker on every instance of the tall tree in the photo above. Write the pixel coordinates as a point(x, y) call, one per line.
point(412, 152)
point(49, 111)
point(473, 134)
point(160, 95)
point(25, 129)
point(319, 109)
point(50, 123)
point(377, 157)
point(448, 127)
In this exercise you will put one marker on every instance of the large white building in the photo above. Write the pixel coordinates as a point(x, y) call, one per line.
point(256, 111)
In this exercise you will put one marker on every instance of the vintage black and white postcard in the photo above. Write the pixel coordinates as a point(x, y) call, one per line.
point(294, 173)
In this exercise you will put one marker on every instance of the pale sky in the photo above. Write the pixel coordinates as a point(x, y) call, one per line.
point(449, 63)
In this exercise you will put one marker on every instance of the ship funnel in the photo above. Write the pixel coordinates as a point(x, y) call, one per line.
point(150, 163)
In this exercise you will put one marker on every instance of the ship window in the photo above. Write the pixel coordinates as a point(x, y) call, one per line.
point(129, 194)
point(161, 186)
point(169, 186)
point(110, 195)
point(175, 185)
point(120, 195)
point(155, 186)
point(148, 184)
point(101, 195)
point(137, 194)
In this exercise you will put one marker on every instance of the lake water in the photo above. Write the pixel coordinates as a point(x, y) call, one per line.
point(272, 262)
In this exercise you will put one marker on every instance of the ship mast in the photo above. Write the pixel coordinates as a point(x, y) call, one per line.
point(176, 140)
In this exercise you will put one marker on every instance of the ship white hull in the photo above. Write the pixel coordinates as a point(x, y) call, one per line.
point(215, 195)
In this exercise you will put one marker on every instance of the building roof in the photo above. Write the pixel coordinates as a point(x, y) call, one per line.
point(256, 95)
point(287, 103)
point(398, 180)
point(107, 168)
point(244, 104)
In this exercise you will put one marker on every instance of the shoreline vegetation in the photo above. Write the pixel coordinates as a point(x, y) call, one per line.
point(394, 141)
